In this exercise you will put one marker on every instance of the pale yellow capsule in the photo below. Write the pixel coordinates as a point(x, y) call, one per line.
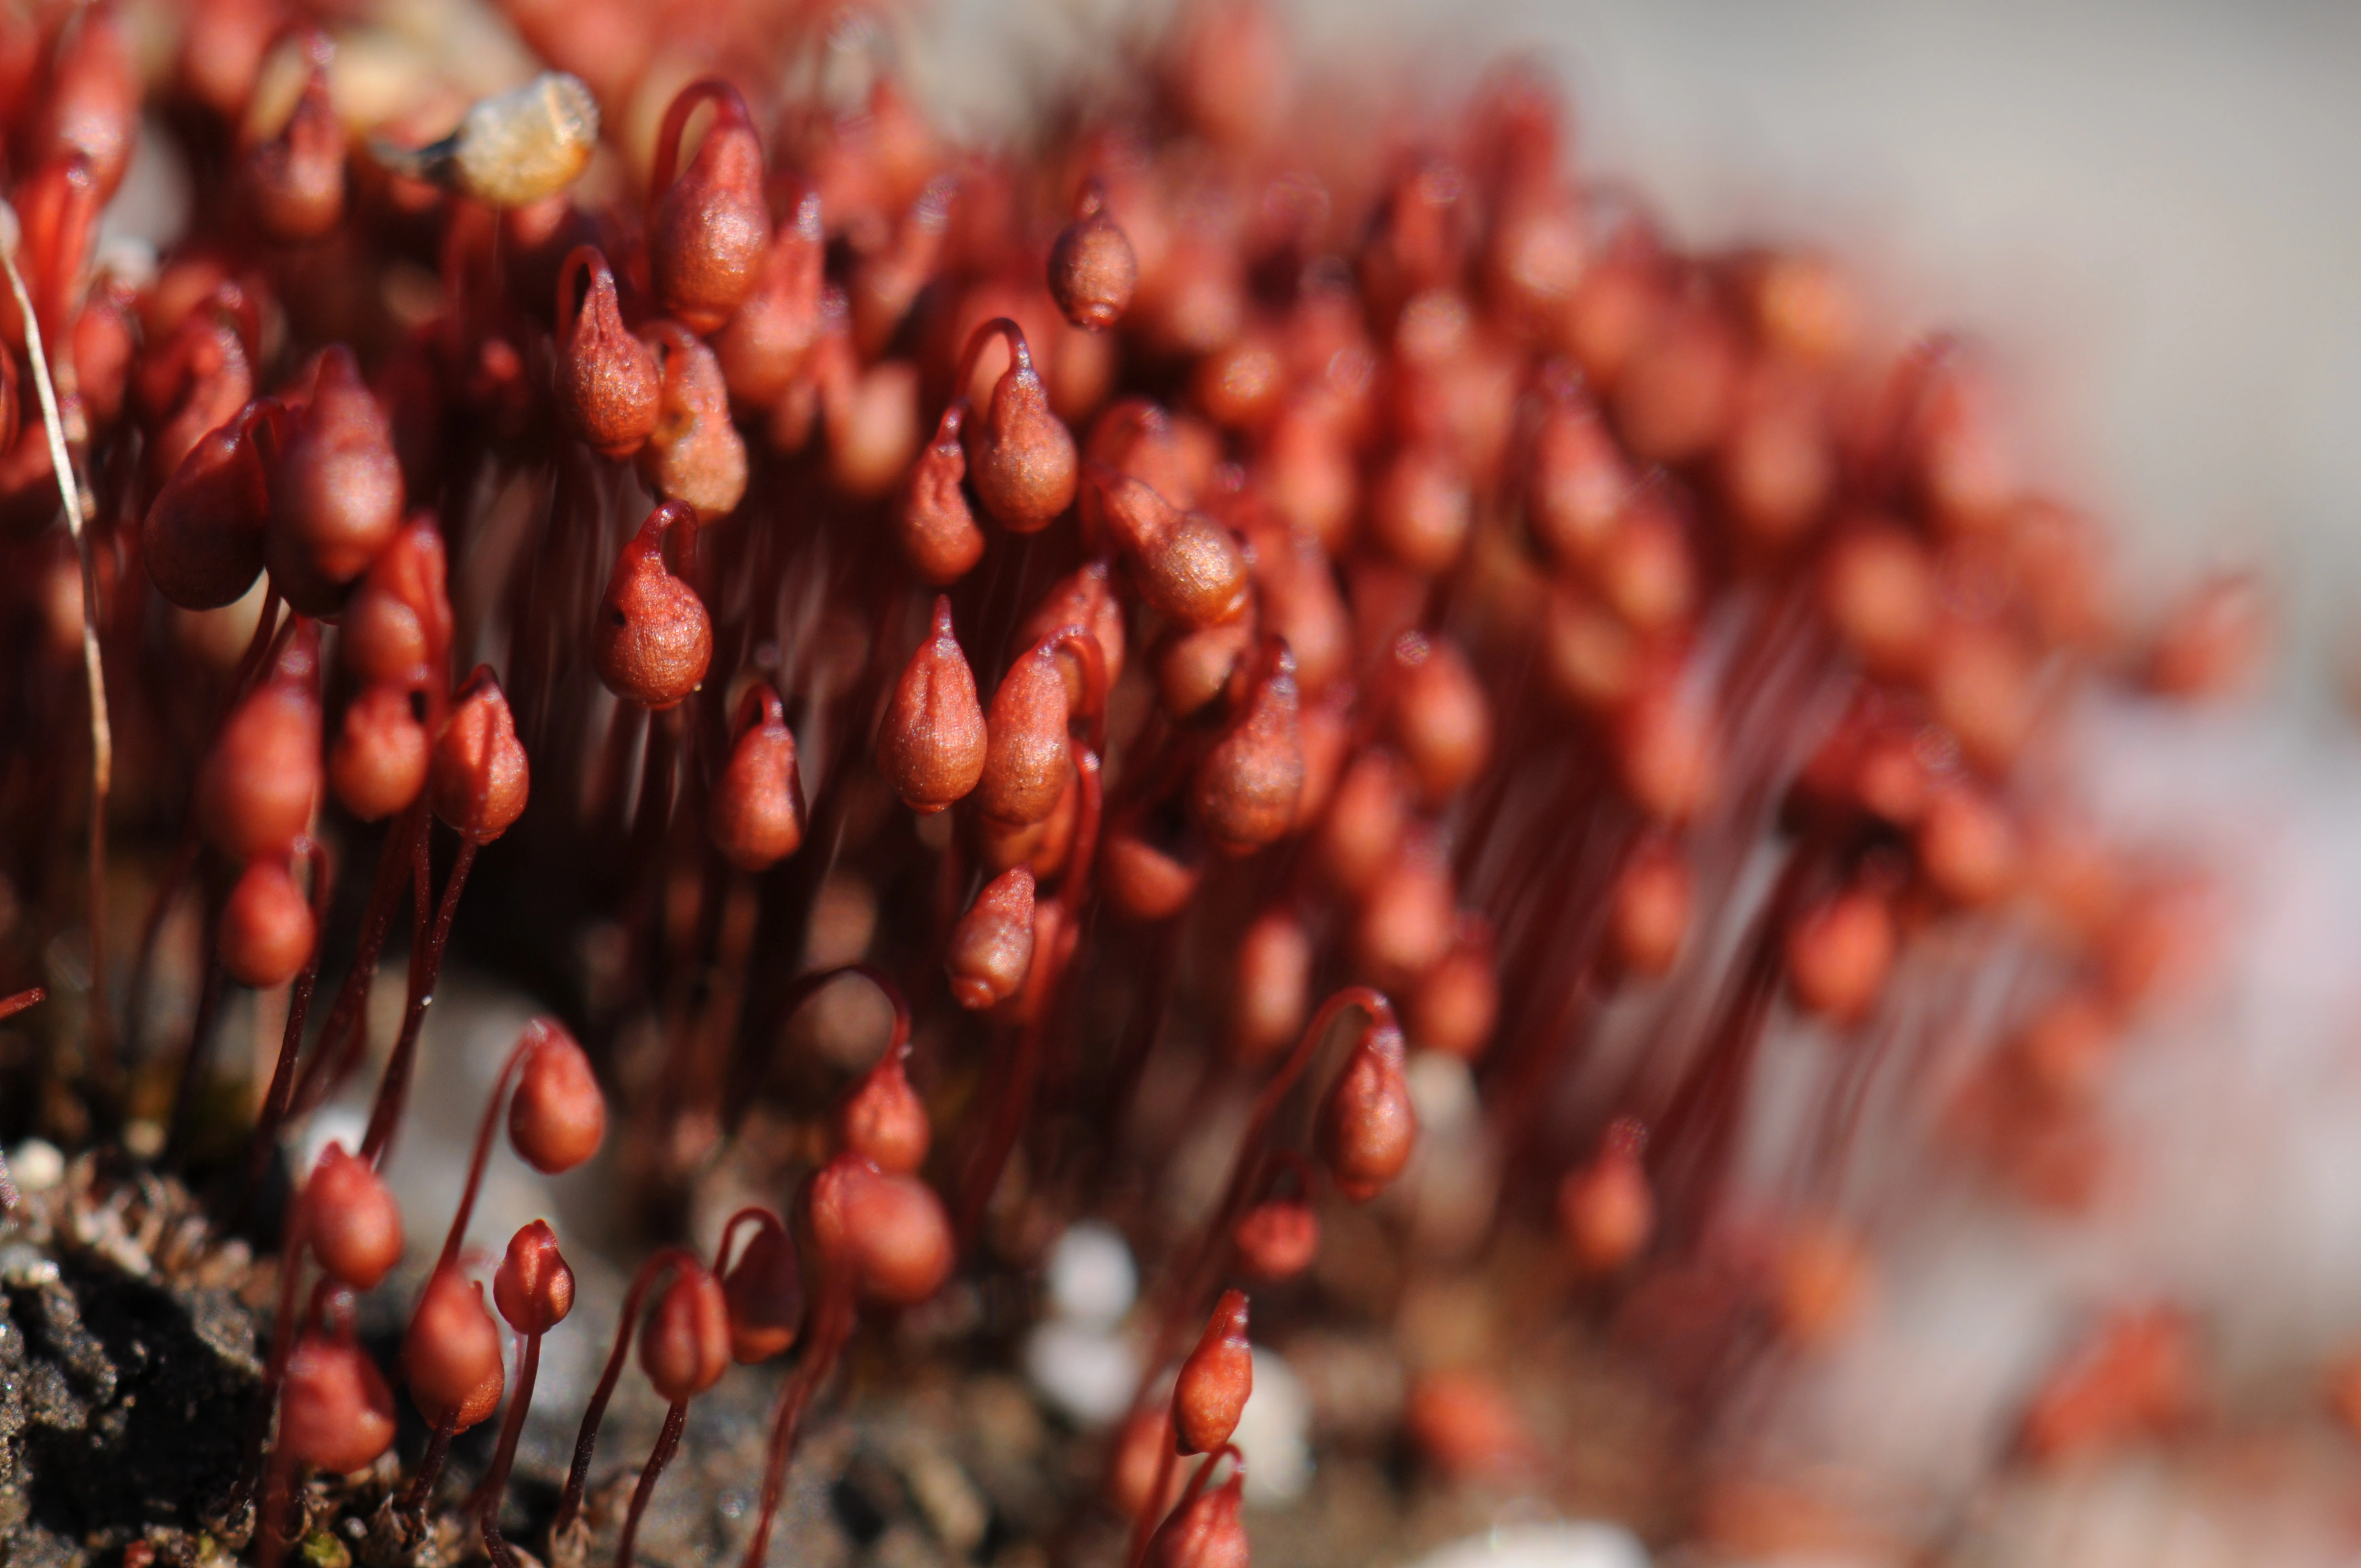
point(514, 148)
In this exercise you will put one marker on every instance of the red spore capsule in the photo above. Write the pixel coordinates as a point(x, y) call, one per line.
point(1440, 717)
point(266, 930)
point(1026, 759)
point(1093, 270)
point(396, 628)
point(1648, 913)
point(933, 744)
point(757, 814)
point(610, 385)
point(766, 1296)
point(933, 524)
point(1277, 1239)
point(350, 1219)
point(1204, 1533)
point(1020, 455)
point(533, 1287)
point(1084, 597)
point(1604, 1209)
point(557, 1118)
point(900, 1237)
point(203, 537)
point(335, 491)
point(93, 105)
point(1458, 1000)
point(1145, 880)
point(694, 454)
point(1839, 952)
point(1214, 1382)
point(451, 1355)
point(1246, 790)
point(768, 342)
point(1185, 564)
point(1270, 994)
point(685, 1338)
point(883, 1120)
point(1367, 1129)
point(711, 227)
point(255, 790)
point(991, 946)
point(479, 777)
point(335, 1410)
point(379, 764)
point(653, 639)
point(295, 181)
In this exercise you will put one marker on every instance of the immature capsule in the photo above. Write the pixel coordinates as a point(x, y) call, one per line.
point(991, 946)
point(1185, 564)
point(1027, 757)
point(203, 538)
point(883, 1120)
point(350, 1219)
point(451, 1355)
point(932, 522)
point(335, 1410)
point(294, 183)
point(757, 812)
point(709, 228)
point(479, 777)
point(653, 639)
point(610, 383)
point(335, 491)
point(397, 626)
point(934, 744)
point(685, 1338)
point(1214, 1382)
point(694, 454)
point(1092, 268)
point(1246, 790)
point(379, 764)
point(255, 790)
point(533, 1287)
point(1020, 455)
point(266, 929)
point(1367, 1129)
point(764, 1292)
point(557, 1117)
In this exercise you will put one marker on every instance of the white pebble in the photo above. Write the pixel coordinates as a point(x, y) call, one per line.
point(1088, 1373)
point(1583, 1544)
point(36, 1165)
point(1273, 1431)
point(1442, 1092)
point(332, 1124)
point(1092, 1280)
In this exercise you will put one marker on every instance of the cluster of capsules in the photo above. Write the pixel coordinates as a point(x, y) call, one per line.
point(1237, 550)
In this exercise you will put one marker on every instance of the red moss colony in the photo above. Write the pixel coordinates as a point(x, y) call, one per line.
point(1230, 604)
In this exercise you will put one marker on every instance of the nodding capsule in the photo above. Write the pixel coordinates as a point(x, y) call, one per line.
point(294, 183)
point(91, 108)
point(992, 945)
point(1144, 877)
point(1422, 509)
point(766, 344)
point(1270, 993)
point(1606, 1210)
point(267, 928)
point(379, 764)
point(257, 787)
point(1215, 1380)
point(609, 384)
point(451, 1353)
point(1367, 1129)
point(882, 1119)
point(335, 1410)
point(1084, 597)
point(1205, 1531)
point(512, 149)
point(685, 1338)
point(396, 628)
point(933, 744)
point(1576, 483)
point(757, 813)
point(694, 454)
point(1878, 588)
point(336, 491)
point(1648, 911)
point(900, 1238)
point(1021, 457)
point(932, 522)
point(653, 639)
point(1277, 1239)
point(1458, 1000)
point(1185, 564)
point(1839, 952)
point(1246, 788)
point(709, 228)
point(765, 1293)
point(1026, 758)
point(350, 1219)
point(479, 778)
point(204, 534)
point(1439, 716)
point(557, 1117)
point(1092, 268)
point(533, 1287)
